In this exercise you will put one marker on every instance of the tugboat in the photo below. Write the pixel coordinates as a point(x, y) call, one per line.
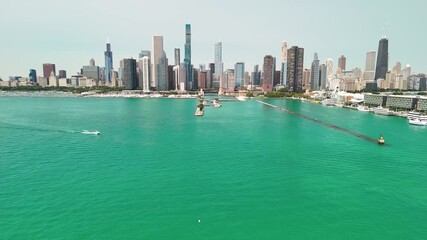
point(381, 140)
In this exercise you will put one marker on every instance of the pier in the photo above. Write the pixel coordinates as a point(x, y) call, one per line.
point(359, 135)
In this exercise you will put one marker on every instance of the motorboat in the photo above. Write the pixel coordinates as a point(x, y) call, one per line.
point(363, 108)
point(216, 104)
point(417, 122)
point(381, 140)
point(96, 132)
point(242, 98)
point(329, 102)
point(383, 111)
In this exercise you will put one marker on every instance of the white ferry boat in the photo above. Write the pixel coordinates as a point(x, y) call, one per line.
point(383, 111)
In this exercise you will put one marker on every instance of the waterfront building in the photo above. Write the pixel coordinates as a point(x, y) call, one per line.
point(176, 73)
point(314, 83)
point(129, 74)
point(256, 76)
point(108, 54)
point(48, 68)
point(202, 75)
point(295, 69)
point(342, 61)
point(160, 65)
point(32, 76)
point(239, 74)
point(268, 74)
point(53, 80)
point(177, 53)
point(369, 74)
point(382, 59)
point(284, 67)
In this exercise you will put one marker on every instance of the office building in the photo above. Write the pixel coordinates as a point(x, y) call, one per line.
point(314, 83)
point(219, 65)
point(160, 65)
point(32, 76)
point(48, 68)
point(342, 61)
point(177, 52)
point(62, 74)
point(239, 74)
point(382, 59)
point(284, 67)
point(129, 74)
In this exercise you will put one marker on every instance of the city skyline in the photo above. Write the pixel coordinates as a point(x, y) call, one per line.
point(79, 41)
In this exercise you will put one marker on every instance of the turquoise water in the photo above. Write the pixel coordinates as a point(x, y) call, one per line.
point(246, 171)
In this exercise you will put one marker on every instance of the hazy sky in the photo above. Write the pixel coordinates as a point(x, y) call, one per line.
point(69, 33)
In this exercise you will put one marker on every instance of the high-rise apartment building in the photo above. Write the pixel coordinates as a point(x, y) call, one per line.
point(329, 68)
point(48, 68)
point(146, 73)
point(129, 75)
point(315, 77)
point(295, 69)
point(177, 53)
point(370, 66)
point(323, 76)
point(108, 64)
point(342, 61)
point(268, 74)
point(62, 74)
point(187, 59)
point(284, 68)
point(219, 65)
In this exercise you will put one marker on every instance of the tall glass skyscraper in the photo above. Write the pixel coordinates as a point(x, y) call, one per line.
point(33, 76)
point(219, 66)
point(190, 84)
point(239, 74)
point(382, 59)
point(160, 65)
point(129, 77)
point(108, 63)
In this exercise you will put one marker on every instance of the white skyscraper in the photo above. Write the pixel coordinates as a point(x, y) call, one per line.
point(329, 68)
point(370, 66)
point(284, 58)
point(146, 73)
point(159, 71)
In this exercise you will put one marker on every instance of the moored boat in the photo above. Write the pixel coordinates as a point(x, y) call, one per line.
point(417, 122)
point(383, 111)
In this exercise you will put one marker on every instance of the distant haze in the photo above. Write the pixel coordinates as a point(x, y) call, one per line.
point(70, 33)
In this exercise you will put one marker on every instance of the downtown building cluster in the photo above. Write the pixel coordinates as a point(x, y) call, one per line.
point(153, 71)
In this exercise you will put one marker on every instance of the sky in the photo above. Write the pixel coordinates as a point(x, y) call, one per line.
point(70, 33)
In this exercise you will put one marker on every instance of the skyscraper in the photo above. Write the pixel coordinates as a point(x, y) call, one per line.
point(370, 66)
point(382, 59)
point(177, 52)
point(219, 65)
point(160, 65)
point(295, 69)
point(62, 74)
point(187, 58)
point(146, 73)
point(268, 74)
point(108, 63)
point(129, 75)
point(329, 68)
point(342, 62)
point(284, 58)
point(92, 62)
point(239, 74)
point(256, 76)
point(32, 76)
point(48, 68)
point(323, 76)
point(314, 83)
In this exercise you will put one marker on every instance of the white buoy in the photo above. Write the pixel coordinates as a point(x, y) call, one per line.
point(199, 220)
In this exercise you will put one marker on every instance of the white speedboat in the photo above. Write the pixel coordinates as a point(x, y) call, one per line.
point(216, 104)
point(242, 98)
point(363, 108)
point(383, 111)
point(199, 112)
point(96, 132)
point(417, 122)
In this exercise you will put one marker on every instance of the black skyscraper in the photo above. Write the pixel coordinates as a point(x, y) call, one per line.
point(129, 77)
point(382, 60)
